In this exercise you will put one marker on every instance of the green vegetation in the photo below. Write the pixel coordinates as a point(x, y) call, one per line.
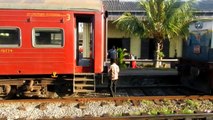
point(135, 113)
point(165, 106)
point(147, 102)
point(153, 112)
point(192, 103)
point(165, 19)
point(187, 111)
point(161, 55)
point(122, 53)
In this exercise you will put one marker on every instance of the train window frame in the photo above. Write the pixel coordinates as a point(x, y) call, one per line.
point(19, 38)
point(47, 45)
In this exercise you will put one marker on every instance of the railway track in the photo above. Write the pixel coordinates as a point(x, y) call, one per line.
point(154, 100)
point(147, 90)
point(200, 116)
point(147, 85)
point(135, 86)
point(112, 108)
point(150, 90)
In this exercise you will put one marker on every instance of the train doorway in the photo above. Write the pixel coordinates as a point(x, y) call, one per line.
point(85, 43)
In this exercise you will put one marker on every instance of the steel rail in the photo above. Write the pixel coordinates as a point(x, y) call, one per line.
point(79, 99)
point(200, 116)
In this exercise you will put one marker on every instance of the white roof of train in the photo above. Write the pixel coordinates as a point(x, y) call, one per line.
point(90, 5)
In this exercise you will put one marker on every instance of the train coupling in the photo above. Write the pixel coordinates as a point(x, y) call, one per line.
point(54, 75)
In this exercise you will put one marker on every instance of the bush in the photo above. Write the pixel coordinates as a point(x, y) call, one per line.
point(122, 53)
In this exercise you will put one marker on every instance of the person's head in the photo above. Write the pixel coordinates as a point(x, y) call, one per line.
point(113, 61)
point(113, 47)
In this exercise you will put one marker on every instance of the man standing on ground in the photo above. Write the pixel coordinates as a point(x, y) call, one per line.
point(114, 71)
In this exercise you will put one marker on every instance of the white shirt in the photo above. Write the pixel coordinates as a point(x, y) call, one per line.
point(114, 70)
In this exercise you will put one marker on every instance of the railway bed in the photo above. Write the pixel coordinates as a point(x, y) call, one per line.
point(139, 83)
point(203, 116)
point(132, 82)
point(115, 108)
point(148, 90)
point(154, 99)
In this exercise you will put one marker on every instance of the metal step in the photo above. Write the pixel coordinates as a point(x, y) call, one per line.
point(84, 74)
point(84, 82)
point(84, 85)
point(83, 91)
point(83, 79)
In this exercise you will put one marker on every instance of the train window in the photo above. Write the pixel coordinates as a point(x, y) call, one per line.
point(48, 37)
point(9, 37)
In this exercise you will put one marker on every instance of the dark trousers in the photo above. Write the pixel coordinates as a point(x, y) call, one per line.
point(112, 86)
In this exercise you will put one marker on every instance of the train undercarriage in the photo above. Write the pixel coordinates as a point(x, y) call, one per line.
point(35, 87)
point(196, 75)
point(46, 87)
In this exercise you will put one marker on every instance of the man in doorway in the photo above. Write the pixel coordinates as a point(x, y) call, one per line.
point(114, 71)
point(113, 54)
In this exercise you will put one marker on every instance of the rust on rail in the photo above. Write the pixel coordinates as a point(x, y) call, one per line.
point(209, 97)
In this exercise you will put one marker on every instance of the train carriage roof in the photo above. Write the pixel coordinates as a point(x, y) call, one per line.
point(90, 5)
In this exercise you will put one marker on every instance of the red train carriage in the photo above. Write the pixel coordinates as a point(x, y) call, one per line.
point(44, 38)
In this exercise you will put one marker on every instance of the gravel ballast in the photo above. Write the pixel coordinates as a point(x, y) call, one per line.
point(58, 110)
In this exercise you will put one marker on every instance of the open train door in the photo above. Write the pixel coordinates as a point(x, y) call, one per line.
point(84, 77)
point(84, 43)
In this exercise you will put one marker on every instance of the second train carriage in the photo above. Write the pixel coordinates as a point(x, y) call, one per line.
point(58, 38)
point(196, 65)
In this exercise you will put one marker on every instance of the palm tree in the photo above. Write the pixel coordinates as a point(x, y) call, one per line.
point(164, 19)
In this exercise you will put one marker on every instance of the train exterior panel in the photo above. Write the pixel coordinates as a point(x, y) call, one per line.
point(199, 43)
point(44, 38)
point(196, 65)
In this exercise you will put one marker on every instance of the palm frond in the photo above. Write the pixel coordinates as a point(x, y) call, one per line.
point(130, 24)
point(179, 16)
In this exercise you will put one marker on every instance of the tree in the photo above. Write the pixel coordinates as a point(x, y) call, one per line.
point(164, 19)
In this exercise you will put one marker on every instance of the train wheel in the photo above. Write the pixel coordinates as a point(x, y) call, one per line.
point(62, 90)
point(8, 91)
point(52, 95)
